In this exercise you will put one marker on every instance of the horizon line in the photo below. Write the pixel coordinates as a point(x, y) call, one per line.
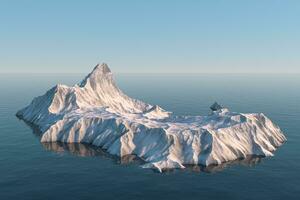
point(155, 73)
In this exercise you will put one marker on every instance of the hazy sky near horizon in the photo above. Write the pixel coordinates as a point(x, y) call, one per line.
point(150, 36)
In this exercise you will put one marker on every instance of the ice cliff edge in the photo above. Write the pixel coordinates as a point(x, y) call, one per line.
point(97, 112)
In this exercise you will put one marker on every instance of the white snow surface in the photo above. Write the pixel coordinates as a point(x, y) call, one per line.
point(97, 112)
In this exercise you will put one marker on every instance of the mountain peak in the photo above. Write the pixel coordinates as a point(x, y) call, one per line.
point(99, 72)
point(103, 68)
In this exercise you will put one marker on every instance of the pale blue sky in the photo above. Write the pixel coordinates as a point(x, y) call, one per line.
point(150, 36)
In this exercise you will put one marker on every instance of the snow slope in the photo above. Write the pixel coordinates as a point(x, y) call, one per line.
point(97, 112)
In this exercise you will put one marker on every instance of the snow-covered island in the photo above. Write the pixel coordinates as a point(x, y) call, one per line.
point(97, 112)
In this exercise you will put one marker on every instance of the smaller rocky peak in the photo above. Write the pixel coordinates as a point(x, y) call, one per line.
point(215, 107)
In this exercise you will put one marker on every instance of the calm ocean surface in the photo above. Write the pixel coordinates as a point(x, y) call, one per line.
point(31, 170)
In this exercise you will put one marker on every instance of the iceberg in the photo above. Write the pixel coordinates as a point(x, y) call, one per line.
point(97, 112)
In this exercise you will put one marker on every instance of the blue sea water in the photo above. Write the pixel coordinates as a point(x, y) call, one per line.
point(31, 170)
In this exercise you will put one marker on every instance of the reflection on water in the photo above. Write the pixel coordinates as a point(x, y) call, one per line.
point(79, 149)
point(84, 150)
point(249, 161)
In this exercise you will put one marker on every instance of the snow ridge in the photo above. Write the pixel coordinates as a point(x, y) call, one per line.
point(97, 112)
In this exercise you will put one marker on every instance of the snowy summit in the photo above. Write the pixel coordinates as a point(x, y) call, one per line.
point(97, 112)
